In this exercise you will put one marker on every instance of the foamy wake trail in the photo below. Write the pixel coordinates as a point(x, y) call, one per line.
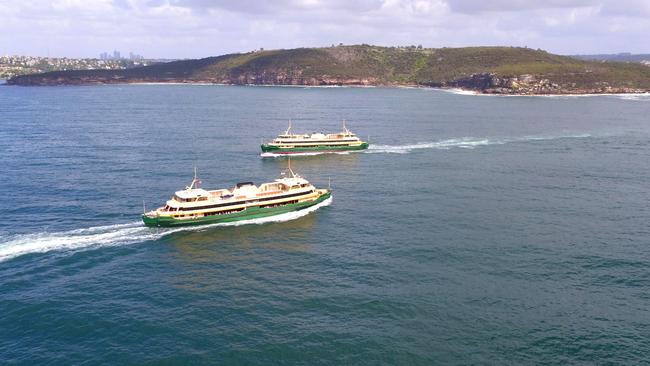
point(463, 143)
point(114, 235)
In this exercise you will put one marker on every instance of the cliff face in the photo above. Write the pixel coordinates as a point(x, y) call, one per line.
point(494, 70)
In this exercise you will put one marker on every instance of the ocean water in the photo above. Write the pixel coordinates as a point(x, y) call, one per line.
point(475, 230)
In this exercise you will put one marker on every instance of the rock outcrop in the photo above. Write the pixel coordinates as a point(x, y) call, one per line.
point(527, 84)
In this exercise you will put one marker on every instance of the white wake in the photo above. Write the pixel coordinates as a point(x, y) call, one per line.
point(463, 143)
point(114, 235)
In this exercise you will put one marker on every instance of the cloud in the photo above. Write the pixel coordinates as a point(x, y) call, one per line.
point(198, 28)
point(626, 8)
point(277, 6)
point(473, 6)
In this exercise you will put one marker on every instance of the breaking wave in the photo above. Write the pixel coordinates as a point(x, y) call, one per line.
point(115, 235)
point(463, 143)
point(636, 97)
point(623, 96)
point(457, 91)
point(644, 97)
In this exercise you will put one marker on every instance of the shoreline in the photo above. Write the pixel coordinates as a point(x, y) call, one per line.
point(451, 90)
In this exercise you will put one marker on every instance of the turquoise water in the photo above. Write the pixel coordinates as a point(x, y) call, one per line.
point(500, 230)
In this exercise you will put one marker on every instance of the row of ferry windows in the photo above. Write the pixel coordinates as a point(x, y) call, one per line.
point(174, 209)
point(176, 198)
point(236, 210)
point(212, 213)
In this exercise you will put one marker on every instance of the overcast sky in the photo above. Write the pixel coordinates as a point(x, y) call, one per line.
point(199, 28)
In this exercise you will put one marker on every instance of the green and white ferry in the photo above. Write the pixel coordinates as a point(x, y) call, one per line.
point(290, 143)
point(194, 205)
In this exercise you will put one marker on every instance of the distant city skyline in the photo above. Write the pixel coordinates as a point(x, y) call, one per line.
point(201, 28)
point(117, 55)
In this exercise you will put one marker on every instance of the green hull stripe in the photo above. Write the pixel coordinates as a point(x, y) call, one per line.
point(247, 214)
point(297, 149)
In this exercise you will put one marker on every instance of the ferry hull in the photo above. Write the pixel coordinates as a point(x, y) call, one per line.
point(311, 149)
point(248, 214)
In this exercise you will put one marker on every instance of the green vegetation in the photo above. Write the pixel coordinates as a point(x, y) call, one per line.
point(489, 69)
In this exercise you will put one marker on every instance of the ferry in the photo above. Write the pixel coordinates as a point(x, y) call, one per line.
point(290, 143)
point(195, 206)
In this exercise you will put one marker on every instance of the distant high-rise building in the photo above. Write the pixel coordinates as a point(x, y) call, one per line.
point(135, 57)
point(116, 55)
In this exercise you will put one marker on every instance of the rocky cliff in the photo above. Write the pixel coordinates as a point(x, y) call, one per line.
point(526, 84)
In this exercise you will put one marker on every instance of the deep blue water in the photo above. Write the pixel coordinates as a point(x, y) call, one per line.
point(476, 230)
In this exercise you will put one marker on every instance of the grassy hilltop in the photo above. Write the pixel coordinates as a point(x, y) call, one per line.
point(509, 70)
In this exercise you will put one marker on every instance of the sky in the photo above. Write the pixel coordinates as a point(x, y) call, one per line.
point(201, 28)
